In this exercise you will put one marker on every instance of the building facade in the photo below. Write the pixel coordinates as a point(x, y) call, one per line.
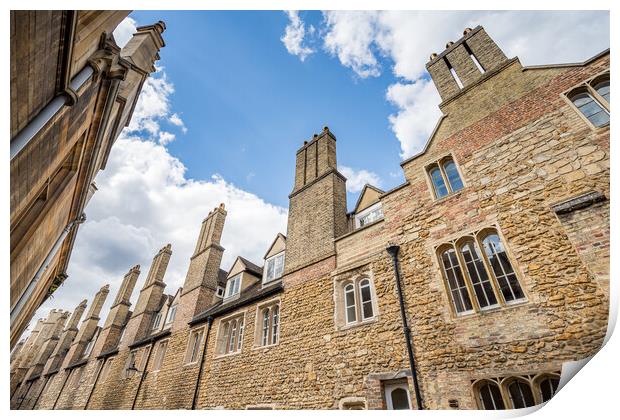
point(498, 265)
point(72, 92)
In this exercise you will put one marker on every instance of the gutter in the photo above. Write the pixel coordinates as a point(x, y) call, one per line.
point(25, 296)
point(21, 139)
point(202, 361)
point(393, 251)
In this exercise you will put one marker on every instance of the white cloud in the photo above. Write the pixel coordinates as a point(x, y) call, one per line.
point(176, 120)
point(154, 103)
point(294, 34)
point(165, 137)
point(406, 39)
point(356, 179)
point(124, 31)
point(144, 201)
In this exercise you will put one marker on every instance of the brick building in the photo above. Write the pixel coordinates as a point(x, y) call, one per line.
point(494, 253)
point(72, 92)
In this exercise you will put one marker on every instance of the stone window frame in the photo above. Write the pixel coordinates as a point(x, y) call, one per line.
point(171, 314)
point(221, 335)
point(476, 234)
point(259, 326)
point(587, 86)
point(139, 361)
point(160, 355)
point(157, 320)
point(282, 255)
point(352, 401)
point(439, 163)
point(77, 376)
point(191, 349)
point(106, 368)
point(533, 380)
point(339, 284)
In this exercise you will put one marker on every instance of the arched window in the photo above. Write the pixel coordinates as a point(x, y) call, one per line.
point(265, 340)
point(233, 333)
point(438, 183)
point(454, 179)
point(548, 387)
point(520, 394)
point(240, 338)
point(349, 299)
point(590, 108)
point(275, 324)
point(478, 275)
point(456, 282)
point(490, 396)
point(502, 269)
point(268, 327)
point(602, 88)
point(366, 299)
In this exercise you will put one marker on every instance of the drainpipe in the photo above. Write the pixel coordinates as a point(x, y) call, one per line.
point(393, 251)
point(62, 388)
point(27, 133)
point(202, 361)
point(143, 375)
point(92, 388)
point(34, 406)
point(16, 310)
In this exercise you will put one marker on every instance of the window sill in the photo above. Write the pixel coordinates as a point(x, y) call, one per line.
point(447, 197)
point(194, 363)
point(222, 356)
point(267, 347)
point(358, 324)
point(491, 310)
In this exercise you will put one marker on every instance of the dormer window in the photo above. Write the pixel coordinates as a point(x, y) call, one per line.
point(274, 267)
point(369, 215)
point(219, 292)
point(157, 320)
point(233, 286)
point(171, 313)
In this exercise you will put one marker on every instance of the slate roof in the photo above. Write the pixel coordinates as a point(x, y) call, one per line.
point(253, 293)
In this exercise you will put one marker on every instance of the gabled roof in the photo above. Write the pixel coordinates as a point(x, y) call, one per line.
point(222, 276)
point(368, 189)
point(253, 293)
point(278, 236)
point(250, 266)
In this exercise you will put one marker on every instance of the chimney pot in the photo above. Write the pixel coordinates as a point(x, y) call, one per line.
point(326, 128)
point(433, 56)
point(449, 44)
point(466, 31)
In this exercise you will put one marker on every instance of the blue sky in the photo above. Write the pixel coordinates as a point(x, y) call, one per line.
point(249, 104)
point(236, 95)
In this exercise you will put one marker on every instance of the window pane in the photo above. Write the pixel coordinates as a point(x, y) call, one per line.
point(265, 339)
point(505, 275)
point(491, 397)
point(454, 179)
point(591, 109)
point(225, 336)
point(233, 333)
point(367, 311)
point(240, 339)
point(400, 401)
point(548, 387)
point(602, 89)
point(478, 274)
point(521, 394)
point(270, 268)
point(458, 289)
point(279, 266)
point(438, 183)
point(349, 298)
point(275, 324)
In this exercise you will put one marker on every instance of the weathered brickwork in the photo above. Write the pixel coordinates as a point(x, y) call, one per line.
point(532, 169)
